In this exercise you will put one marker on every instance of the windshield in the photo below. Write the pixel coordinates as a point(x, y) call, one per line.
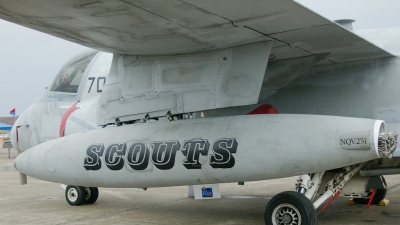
point(70, 75)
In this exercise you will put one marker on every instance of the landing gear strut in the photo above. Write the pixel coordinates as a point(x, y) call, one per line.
point(294, 208)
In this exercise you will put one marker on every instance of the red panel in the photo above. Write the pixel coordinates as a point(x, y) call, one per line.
point(264, 109)
point(65, 118)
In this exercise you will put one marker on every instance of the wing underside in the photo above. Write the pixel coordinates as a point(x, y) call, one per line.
point(172, 27)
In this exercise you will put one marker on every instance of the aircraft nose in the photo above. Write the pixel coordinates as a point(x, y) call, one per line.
point(13, 137)
point(39, 161)
point(21, 134)
point(21, 163)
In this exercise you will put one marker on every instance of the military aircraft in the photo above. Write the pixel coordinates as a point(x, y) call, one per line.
point(169, 106)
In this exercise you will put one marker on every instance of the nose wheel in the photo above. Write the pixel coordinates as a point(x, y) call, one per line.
point(77, 195)
point(290, 208)
point(92, 193)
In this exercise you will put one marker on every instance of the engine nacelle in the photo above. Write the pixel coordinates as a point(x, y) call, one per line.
point(208, 150)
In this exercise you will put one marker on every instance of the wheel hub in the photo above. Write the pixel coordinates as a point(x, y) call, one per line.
point(88, 193)
point(286, 214)
point(286, 219)
point(72, 194)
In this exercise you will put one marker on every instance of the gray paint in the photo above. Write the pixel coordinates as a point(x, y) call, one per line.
point(183, 84)
point(266, 149)
point(183, 27)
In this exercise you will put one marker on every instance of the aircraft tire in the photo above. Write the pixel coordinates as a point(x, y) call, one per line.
point(379, 196)
point(75, 195)
point(290, 208)
point(92, 193)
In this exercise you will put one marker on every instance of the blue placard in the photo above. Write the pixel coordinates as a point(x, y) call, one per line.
point(207, 192)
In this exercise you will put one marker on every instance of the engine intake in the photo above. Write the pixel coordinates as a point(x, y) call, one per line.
point(387, 143)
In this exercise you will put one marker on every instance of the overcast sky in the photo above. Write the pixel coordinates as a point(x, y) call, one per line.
point(29, 59)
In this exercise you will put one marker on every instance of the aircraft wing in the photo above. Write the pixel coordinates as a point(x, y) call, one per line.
point(170, 27)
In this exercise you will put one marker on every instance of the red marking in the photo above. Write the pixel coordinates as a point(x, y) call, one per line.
point(264, 109)
point(65, 118)
point(16, 132)
point(371, 197)
point(330, 201)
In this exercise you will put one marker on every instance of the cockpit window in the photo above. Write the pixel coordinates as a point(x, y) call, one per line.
point(70, 75)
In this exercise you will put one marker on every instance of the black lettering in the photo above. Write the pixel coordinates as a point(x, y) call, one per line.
point(223, 150)
point(342, 141)
point(91, 84)
point(114, 157)
point(350, 142)
point(192, 150)
point(361, 141)
point(138, 156)
point(99, 90)
point(164, 153)
point(92, 160)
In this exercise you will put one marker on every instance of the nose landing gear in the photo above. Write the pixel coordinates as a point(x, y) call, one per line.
point(77, 195)
point(92, 193)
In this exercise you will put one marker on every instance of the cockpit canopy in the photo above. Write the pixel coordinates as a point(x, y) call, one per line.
point(70, 75)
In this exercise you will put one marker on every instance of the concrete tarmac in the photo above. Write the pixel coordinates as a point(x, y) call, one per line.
point(41, 202)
